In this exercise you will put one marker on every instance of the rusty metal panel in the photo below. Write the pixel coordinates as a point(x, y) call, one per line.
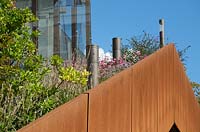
point(150, 96)
point(144, 96)
point(70, 117)
point(165, 88)
point(186, 106)
point(191, 108)
point(179, 95)
point(162, 95)
point(110, 105)
point(180, 114)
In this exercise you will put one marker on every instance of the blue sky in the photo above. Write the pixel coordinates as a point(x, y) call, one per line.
point(127, 18)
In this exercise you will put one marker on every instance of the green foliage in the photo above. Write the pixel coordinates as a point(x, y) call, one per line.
point(25, 91)
point(146, 44)
point(72, 75)
point(182, 55)
point(56, 61)
point(69, 74)
point(139, 47)
point(196, 88)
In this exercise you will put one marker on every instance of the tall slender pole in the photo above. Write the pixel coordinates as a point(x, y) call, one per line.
point(116, 44)
point(35, 25)
point(88, 22)
point(92, 54)
point(162, 36)
point(74, 29)
point(56, 31)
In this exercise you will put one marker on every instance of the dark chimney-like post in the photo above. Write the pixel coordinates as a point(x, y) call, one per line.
point(116, 47)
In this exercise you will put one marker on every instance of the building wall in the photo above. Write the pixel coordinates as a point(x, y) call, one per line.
point(64, 26)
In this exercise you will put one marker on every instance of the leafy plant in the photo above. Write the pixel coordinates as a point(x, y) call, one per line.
point(29, 87)
point(69, 74)
point(196, 88)
point(145, 43)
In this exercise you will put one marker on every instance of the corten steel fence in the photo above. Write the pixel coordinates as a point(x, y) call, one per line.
point(150, 96)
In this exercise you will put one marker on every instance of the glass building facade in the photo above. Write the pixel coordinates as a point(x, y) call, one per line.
point(64, 25)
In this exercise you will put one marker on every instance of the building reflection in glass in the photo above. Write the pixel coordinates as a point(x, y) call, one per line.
point(64, 26)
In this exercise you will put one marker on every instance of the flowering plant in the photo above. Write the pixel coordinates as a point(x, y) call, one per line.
point(109, 67)
point(133, 56)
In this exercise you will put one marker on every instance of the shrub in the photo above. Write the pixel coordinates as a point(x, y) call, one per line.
point(28, 95)
point(196, 89)
point(107, 68)
point(25, 91)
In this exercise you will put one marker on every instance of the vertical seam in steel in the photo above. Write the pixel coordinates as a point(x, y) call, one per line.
point(88, 104)
point(131, 98)
point(157, 92)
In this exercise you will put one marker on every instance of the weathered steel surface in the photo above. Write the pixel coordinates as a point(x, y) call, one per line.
point(149, 97)
point(162, 95)
point(110, 105)
point(186, 114)
point(70, 117)
point(165, 88)
point(144, 96)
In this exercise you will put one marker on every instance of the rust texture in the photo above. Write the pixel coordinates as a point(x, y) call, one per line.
point(70, 117)
point(150, 96)
point(110, 105)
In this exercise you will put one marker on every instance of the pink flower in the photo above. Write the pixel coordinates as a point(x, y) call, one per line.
point(138, 53)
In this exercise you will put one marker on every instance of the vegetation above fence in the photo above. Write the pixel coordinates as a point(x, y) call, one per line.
point(29, 85)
